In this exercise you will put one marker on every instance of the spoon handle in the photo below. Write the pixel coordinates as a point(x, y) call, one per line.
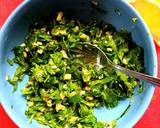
point(138, 75)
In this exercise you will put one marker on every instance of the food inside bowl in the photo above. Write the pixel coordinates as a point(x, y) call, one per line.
point(62, 90)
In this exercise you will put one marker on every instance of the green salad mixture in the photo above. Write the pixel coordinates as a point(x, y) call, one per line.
point(62, 90)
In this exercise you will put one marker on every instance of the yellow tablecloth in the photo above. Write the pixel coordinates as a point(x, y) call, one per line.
point(150, 11)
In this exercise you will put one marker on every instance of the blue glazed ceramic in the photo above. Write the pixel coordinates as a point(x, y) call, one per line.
point(16, 28)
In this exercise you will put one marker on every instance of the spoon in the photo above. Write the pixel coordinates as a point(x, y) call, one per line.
point(93, 54)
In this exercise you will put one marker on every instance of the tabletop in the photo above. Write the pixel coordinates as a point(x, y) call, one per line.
point(151, 117)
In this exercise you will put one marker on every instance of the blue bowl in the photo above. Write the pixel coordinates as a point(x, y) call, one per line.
point(119, 13)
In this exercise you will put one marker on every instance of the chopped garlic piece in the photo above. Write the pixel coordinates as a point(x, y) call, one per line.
point(59, 107)
point(84, 37)
point(67, 77)
point(82, 93)
point(59, 16)
point(40, 51)
point(23, 45)
point(89, 98)
point(64, 54)
point(62, 95)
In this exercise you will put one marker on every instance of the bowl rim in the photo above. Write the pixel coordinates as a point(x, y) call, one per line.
point(3, 102)
point(151, 89)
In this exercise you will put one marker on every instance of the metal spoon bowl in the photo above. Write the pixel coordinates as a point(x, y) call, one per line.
point(93, 54)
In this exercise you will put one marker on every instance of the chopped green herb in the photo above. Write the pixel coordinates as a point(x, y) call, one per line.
point(62, 89)
point(134, 19)
point(141, 87)
point(117, 11)
point(10, 62)
point(11, 106)
point(126, 110)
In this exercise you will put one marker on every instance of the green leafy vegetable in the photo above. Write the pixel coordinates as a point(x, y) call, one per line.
point(134, 19)
point(62, 90)
point(10, 62)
